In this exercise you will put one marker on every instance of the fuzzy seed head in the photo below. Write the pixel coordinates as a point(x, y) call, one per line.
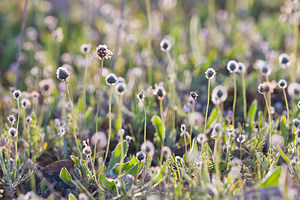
point(102, 52)
point(140, 96)
point(282, 84)
point(11, 119)
point(17, 94)
point(148, 148)
point(232, 66)
point(111, 79)
point(12, 132)
point(194, 95)
point(140, 155)
point(165, 45)
point(210, 73)
point(85, 48)
point(62, 74)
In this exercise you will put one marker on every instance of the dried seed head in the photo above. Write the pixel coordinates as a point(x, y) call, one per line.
point(261, 88)
point(219, 94)
point(17, 94)
point(99, 139)
point(242, 68)
point(11, 119)
point(166, 152)
point(121, 133)
point(241, 138)
point(210, 73)
point(232, 66)
point(201, 138)
point(128, 139)
point(183, 127)
point(165, 45)
point(25, 103)
point(194, 95)
point(148, 148)
point(111, 79)
point(294, 90)
point(102, 52)
point(140, 96)
point(160, 92)
point(28, 120)
point(296, 123)
point(85, 48)
point(120, 88)
point(12, 132)
point(282, 84)
point(62, 74)
point(140, 155)
point(284, 60)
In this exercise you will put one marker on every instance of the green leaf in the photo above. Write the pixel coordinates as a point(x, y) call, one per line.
point(76, 160)
point(252, 111)
point(65, 176)
point(107, 183)
point(71, 197)
point(271, 179)
point(212, 117)
point(115, 171)
point(283, 130)
point(158, 176)
point(116, 155)
point(283, 155)
point(159, 127)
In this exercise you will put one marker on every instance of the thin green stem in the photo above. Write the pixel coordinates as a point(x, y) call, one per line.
point(120, 111)
point(109, 125)
point(296, 35)
point(163, 123)
point(269, 115)
point(234, 98)
point(244, 97)
point(17, 135)
point(85, 77)
point(73, 119)
point(149, 46)
point(98, 103)
point(207, 105)
point(191, 132)
point(287, 106)
point(145, 123)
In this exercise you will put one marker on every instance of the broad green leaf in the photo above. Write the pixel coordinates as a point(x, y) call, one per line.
point(212, 117)
point(71, 197)
point(252, 111)
point(115, 171)
point(65, 176)
point(116, 155)
point(271, 179)
point(283, 155)
point(107, 183)
point(158, 176)
point(88, 115)
point(283, 130)
point(136, 169)
point(76, 160)
point(159, 127)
